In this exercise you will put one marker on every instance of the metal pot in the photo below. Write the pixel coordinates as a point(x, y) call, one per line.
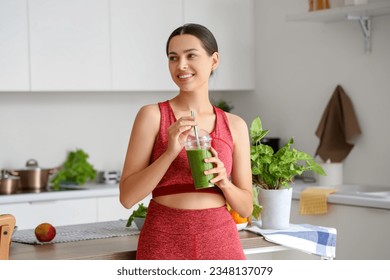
point(8, 185)
point(33, 178)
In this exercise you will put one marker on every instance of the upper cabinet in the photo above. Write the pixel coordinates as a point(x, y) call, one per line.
point(69, 45)
point(103, 45)
point(139, 31)
point(138, 42)
point(232, 23)
point(14, 60)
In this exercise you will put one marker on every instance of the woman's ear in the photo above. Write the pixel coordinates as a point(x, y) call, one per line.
point(215, 58)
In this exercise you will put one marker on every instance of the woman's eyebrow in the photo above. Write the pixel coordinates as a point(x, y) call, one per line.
point(190, 50)
point(185, 51)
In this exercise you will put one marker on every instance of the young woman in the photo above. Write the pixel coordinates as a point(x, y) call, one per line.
point(184, 223)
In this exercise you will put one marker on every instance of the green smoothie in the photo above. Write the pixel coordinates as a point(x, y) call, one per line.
point(198, 166)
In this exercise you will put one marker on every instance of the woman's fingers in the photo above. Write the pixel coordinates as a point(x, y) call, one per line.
point(219, 169)
point(178, 132)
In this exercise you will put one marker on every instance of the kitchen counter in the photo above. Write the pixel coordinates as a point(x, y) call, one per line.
point(83, 204)
point(353, 195)
point(116, 248)
point(84, 191)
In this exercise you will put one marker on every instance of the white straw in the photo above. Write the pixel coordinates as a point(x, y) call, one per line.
point(196, 131)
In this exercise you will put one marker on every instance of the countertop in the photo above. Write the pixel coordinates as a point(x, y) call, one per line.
point(116, 248)
point(345, 195)
point(84, 191)
point(353, 195)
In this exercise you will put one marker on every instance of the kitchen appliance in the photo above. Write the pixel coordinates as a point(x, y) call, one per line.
point(33, 178)
point(109, 177)
point(7, 225)
point(272, 142)
point(8, 184)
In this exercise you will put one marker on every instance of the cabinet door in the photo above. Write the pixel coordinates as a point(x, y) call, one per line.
point(232, 23)
point(367, 227)
point(14, 66)
point(57, 212)
point(139, 31)
point(69, 45)
point(110, 209)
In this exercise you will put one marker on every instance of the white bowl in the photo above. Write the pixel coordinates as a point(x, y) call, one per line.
point(139, 222)
point(241, 226)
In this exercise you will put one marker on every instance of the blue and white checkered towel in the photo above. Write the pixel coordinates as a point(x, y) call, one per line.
point(317, 240)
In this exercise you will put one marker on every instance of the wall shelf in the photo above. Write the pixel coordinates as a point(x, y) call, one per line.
point(361, 13)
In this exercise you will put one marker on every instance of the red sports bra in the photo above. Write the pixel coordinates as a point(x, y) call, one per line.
point(178, 177)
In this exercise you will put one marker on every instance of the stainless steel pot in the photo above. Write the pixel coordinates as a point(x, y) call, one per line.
point(33, 178)
point(8, 185)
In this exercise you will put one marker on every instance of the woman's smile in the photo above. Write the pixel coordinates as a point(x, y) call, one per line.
point(185, 76)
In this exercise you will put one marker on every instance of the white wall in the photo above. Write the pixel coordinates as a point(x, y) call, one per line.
point(45, 126)
point(298, 66)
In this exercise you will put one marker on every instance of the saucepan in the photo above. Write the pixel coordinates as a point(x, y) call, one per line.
point(8, 184)
point(33, 177)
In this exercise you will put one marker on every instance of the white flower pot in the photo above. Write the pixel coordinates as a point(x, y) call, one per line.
point(276, 204)
point(334, 174)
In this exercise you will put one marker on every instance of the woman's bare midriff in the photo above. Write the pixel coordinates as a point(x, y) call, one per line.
point(191, 200)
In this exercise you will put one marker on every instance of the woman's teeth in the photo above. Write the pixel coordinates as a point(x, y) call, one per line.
point(185, 76)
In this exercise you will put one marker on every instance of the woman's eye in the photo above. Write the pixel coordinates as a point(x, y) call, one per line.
point(191, 55)
point(172, 58)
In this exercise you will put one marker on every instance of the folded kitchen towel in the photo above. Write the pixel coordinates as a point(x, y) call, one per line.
point(317, 240)
point(337, 126)
point(313, 201)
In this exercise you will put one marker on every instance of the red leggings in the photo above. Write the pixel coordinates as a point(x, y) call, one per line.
point(181, 234)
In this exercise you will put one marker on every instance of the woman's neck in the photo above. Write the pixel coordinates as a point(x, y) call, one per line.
point(199, 102)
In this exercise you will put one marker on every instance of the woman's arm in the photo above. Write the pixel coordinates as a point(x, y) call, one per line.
point(139, 177)
point(238, 191)
point(135, 184)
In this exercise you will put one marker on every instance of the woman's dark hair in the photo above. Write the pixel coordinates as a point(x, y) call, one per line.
point(199, 31)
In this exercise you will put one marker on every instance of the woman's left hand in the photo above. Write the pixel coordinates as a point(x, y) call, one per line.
point(220, 176)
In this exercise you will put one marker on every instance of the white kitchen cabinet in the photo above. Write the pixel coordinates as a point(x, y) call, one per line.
point(101, 45)
point(57, 212)
point(110, 209)
point(69, 45)
point(139, 31)
point(232, 23)
point(14, 60)
point(96, 204)
point(362, 232)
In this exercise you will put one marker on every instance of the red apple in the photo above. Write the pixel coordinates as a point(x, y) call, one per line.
point(45, 232)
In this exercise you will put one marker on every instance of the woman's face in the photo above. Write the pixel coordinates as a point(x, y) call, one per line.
point(189, 63)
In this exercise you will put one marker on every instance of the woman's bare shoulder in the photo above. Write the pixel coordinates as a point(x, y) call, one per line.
point(150, 109)
point(149, 112)
point(236, 123)
point(148, 117)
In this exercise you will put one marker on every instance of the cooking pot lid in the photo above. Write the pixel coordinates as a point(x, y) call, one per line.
point(5, 176)
point(32, 164)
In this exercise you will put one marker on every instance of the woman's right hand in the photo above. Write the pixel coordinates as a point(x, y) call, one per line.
point(177, 134)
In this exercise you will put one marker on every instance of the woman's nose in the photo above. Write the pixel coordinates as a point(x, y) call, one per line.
point(183, 65)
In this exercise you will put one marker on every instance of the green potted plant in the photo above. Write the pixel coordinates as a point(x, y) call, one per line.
point(272, 173)
point(75, 170)
point(138, 216)
point(223, 105)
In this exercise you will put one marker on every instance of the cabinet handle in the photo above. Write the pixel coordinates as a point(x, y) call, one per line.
point(42, 202)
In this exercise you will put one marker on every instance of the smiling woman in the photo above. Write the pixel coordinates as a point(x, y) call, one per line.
point(183, 222)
